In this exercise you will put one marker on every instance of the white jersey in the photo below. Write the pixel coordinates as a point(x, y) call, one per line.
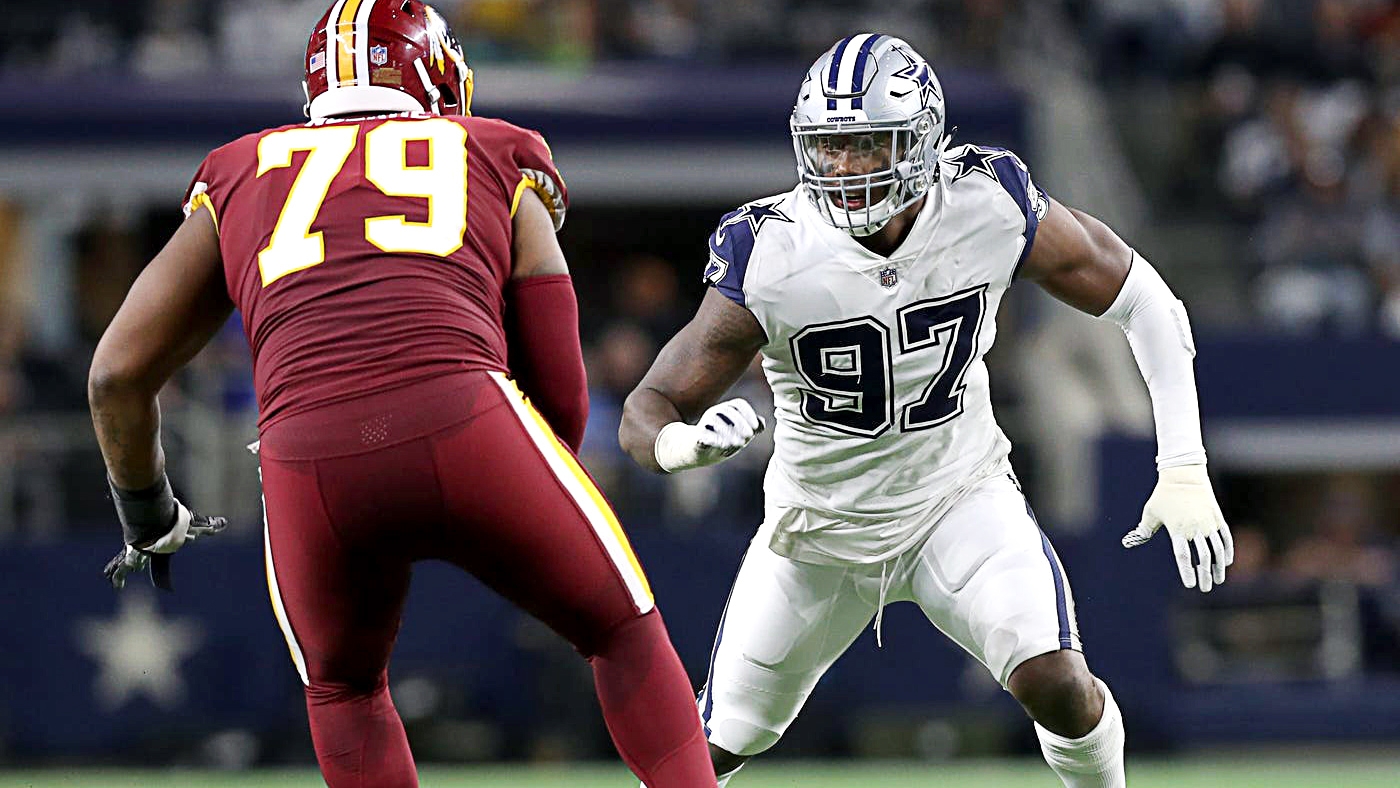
point(883, 407)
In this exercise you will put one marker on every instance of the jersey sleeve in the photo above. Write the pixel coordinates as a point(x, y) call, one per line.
point(1015, 179)
point(198, 194)
point(535, 162)
point(731, 247)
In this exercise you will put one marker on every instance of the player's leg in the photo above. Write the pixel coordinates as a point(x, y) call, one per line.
point(1086, 747)
point(990, 580)
point(339, 608)
point(525, 519)
point(784, 625)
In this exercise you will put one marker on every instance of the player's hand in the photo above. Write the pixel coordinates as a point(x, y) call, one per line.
point(1184, 502)
point(188, 526)
point(129, 561)
point(721, 432)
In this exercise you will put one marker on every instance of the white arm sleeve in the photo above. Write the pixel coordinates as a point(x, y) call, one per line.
point(1160, 336)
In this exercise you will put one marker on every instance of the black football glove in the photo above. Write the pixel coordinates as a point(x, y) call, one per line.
point(154, 526)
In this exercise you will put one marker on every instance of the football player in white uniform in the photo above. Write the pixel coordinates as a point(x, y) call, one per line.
point(871, 290)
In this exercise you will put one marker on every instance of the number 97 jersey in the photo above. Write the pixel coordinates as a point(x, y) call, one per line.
point(883, 408)
point(369, 253)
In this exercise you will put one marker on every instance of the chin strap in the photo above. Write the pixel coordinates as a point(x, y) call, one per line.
point(869, 229)
point(433, 93)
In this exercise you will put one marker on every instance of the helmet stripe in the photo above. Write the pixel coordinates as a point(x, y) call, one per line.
point(332, 62)
point(848, 64)
point(858, 76)
point(362, 42)
point(345, 31)
point(836, 64)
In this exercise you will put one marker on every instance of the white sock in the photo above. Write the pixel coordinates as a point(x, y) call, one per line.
point(1096, 759)
point(723, 778)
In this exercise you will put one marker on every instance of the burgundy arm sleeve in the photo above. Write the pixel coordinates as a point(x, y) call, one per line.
point(545, 356)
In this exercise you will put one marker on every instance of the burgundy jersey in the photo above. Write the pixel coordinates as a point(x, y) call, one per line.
point(368, 253)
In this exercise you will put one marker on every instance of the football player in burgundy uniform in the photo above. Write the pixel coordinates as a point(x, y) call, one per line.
point(384, 257)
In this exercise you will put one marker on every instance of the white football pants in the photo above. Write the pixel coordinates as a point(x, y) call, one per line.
point(987, 577)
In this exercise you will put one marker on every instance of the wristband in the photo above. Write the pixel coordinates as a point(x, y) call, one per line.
point(146, 514)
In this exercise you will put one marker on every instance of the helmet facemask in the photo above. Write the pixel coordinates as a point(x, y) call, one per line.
point(861, 176)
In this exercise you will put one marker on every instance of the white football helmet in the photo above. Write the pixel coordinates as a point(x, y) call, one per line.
point(868, 94)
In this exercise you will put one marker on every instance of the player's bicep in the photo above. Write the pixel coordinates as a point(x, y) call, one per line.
point(171, 311)
point(1078, 259)
point(534, 248)
point(707, 356)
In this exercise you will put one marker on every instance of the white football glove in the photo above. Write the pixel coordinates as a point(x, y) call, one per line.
point(1184, 502)
point(721, 432)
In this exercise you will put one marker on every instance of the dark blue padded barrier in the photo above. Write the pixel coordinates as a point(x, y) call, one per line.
point(662, 103)
point(1264, 377)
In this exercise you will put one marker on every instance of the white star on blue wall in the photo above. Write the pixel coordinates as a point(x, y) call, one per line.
point(138, 653)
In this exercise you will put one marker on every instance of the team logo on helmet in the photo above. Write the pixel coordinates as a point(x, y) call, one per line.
point(918, 72)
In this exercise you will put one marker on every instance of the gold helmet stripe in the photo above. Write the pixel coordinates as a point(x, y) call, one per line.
point(346, 44)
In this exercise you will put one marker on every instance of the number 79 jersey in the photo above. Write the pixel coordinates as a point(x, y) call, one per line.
point(881, 394)
point(369, 253)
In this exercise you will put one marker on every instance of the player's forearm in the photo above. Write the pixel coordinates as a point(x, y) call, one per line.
point(546, 358)
point(1159, 333)
point(126, 418)
point(644, 413)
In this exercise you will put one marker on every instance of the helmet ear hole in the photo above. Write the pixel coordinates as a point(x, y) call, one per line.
point(407, 7)
point(449, 97)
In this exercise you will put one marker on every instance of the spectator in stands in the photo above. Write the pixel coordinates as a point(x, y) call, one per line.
point(616, 360)
point(646, 292)
point(12, 311)
point(1347, 541)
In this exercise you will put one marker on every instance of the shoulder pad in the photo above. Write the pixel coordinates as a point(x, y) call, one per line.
point(731, 246)
point(1011, 174)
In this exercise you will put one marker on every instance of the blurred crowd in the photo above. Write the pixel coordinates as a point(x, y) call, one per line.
point(1284, 126)
point(1313, 542)
point(164, 38)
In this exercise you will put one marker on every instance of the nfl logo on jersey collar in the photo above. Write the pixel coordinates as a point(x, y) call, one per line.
point(889, 277)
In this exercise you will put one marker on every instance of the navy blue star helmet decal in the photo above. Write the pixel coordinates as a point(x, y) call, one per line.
point(731, 245)
point(920, 74)
point(1012, 175)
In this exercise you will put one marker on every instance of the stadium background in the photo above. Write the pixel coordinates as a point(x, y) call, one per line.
point(1251, 149)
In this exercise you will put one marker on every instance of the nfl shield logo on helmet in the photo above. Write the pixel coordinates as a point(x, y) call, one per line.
point(889, 277)
point(379, 55)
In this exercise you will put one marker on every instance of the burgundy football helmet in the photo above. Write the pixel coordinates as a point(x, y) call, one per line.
point(385, 56)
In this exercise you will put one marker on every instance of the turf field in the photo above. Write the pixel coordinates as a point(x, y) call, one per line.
point(1253, 771)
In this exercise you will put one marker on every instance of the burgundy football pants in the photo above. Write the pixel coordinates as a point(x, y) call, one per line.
point(458, 468)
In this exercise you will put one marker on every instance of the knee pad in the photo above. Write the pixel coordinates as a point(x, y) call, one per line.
point(741, 737)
